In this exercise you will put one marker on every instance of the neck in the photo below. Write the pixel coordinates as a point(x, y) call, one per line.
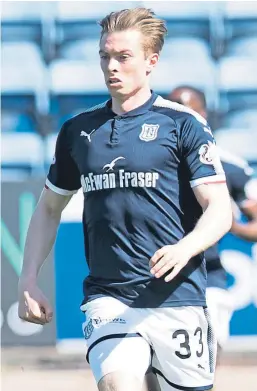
point(130, 102)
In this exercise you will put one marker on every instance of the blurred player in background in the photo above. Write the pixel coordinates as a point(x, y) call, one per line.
point(243, 191)
point(155, 199)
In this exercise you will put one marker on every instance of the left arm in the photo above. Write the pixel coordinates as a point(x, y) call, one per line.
point(206, 176)
point(216, 220)
point(213, 224)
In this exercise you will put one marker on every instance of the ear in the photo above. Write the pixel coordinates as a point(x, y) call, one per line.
point(152, 60)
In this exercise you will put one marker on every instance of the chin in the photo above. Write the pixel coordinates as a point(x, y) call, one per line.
point(118, 92)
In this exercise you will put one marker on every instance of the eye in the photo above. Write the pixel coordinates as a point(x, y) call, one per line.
point(103, 56)
point(124, 57)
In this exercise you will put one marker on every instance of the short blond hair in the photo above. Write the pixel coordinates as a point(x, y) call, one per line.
point(141, 19)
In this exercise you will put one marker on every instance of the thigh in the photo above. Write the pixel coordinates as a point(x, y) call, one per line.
point(219, 302)
point(184, 349)
point(113, 341)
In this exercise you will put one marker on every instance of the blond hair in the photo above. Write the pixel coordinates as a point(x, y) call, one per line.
point(141, 19)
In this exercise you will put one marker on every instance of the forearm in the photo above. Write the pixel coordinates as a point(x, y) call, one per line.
point(211, 227)
point(247, 231)
point(40, 239)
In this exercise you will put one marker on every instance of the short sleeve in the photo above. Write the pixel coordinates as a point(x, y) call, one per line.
point(200, 153)
point(63, 177)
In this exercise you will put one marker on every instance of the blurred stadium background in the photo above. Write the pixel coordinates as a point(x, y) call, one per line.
point(50, 72)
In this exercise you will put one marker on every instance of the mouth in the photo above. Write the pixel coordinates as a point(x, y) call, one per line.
point(114, 81)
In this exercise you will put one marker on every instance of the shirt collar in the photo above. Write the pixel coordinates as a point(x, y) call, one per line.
point(137, 111)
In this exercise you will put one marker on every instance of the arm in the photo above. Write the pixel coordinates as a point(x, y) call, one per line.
point(215, 221)
point(213, 224)
point(206, 176)
point(33, 306)
point(63, 180)
point(42, 232)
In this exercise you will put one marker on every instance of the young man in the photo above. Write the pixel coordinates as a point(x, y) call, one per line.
point(243, 191)
point(155, 199)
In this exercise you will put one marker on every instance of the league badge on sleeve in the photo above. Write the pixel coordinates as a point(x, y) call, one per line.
point(208, 154)
point(149, 132)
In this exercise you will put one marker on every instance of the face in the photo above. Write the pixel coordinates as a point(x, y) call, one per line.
point(125, 66)
point(188, 99)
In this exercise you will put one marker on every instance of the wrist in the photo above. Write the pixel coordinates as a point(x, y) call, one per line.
point(187, 246)
point(27, 278)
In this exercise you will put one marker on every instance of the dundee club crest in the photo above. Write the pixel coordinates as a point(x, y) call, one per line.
point(149, 132)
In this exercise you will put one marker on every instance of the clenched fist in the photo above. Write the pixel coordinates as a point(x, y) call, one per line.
point(33, 305)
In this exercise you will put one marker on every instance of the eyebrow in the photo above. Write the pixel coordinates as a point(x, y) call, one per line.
point(119, 52)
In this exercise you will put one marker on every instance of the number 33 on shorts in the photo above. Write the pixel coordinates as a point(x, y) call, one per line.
point(185, 356)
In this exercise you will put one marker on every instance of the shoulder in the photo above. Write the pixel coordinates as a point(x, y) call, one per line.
point(177, 112)
point(89, 114)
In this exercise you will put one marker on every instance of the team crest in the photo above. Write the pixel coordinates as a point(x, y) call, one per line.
point(149, 132)
point(88, 329)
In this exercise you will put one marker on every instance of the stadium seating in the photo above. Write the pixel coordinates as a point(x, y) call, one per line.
point(171, 74)
point(237, 73)
point(50, 142)
point(80, 50)
point(181, 9)
point(241, 142)
point(14, 121)
point(182, 47)
point(67, 11)
point(21, 20)
point(78, 20)
point(50, 61)
point(83, 87)
point(23, 68)
point(240, 10)
point(22, 155)
point(246, 118)
point(237, 80)
point(240, 18)
point(28, 21)
point(75, 77)
point(185, 18)
point(24, 75)
point(243, 47)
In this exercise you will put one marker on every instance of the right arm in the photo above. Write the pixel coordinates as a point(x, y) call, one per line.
point(42, 232)
point(33, 306)
point(63, 180)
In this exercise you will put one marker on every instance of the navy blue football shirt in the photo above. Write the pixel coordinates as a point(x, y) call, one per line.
point(137, 171)
point(238, 176)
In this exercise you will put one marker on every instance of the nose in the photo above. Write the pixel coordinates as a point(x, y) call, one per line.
point(112, 65)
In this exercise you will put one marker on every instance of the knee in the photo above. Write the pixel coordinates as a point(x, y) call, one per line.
point(119, 381)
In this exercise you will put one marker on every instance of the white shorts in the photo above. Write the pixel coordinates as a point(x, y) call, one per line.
point(177, 341)
point(220, 306)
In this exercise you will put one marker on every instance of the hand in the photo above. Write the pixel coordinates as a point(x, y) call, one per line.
point(173, 257)
point(33, 305)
